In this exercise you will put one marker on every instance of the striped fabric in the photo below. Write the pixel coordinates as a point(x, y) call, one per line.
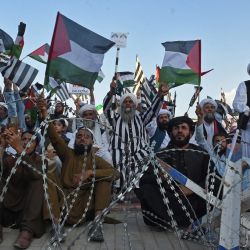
point(62, 92)
point(132, 136)
point(139, 76)
point(20, 73)
point(147, 92)
point(37, 87)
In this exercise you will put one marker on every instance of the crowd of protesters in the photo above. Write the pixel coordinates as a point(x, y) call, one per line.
point(81, 150)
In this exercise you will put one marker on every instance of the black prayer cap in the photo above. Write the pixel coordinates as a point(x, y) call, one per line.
point(179, 120)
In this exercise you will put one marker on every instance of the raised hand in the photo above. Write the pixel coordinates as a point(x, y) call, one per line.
point(200, 114)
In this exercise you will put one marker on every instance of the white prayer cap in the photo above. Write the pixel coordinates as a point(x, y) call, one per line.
point(165, 112)
point(85, 128)
point(248, 69)
point(131, 96)
point(3, 104)
point(86, 107)
point(210, 101)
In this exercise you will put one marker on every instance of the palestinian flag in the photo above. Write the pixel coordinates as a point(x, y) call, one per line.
point(126, 79)
point(40, 54)
point(6, 42)
point(181, 63)
point(76, 54)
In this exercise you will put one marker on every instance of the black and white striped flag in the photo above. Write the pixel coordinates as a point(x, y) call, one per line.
point(139, 76)
point(20, 73)
point(62, 92)
point(147, 92)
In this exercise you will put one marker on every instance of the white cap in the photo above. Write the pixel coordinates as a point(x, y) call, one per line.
point(86, 107)
point(165, 112)
point(208, 100)
point(131, 96)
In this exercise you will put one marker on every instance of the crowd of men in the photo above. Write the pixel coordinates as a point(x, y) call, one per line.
point(86, 162)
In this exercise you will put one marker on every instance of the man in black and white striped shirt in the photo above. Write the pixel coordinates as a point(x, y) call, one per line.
point(130, 141)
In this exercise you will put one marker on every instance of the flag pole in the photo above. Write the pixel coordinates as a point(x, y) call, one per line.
point(116, 77)
point(199, 41)
point(24, 58)
point(46, 77)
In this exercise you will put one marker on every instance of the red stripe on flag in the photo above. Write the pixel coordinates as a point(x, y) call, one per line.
point(40, 51)
point(193, 58)
point(60, 41)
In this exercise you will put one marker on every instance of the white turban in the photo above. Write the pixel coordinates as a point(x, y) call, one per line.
point(86, 107)
point(3, 104)
point(131, 96)
point(248, 69)
point(210, 101)
point(165, 112)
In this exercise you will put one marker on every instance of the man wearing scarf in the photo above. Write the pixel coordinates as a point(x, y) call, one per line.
point(210, 125)
point(157, 130)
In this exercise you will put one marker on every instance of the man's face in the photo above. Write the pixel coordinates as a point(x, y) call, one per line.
point(29, 122)
point(163, 119)
point(25, 140)
point(59, 128)
point(83, 137)
point(220, 140)
point(128, 109)
point(128, 104)
point(89, 114)
point(181, 134)
point(209, 112)
point(59, 108)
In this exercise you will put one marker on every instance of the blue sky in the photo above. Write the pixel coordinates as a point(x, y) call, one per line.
point(223, 26)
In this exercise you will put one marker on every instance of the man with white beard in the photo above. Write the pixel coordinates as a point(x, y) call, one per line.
point(129, 140)
point(210, 125)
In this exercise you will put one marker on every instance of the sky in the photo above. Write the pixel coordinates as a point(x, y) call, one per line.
point(223, 27)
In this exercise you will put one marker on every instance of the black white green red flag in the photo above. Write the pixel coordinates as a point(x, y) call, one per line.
point(40, 54)
point(19, 42)
point(182, 63)
point(76, 53)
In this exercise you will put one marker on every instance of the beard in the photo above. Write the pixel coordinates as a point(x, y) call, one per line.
point(180, 143)
point(57, 113)
point(81, 149)
point(221, 150)
point(127, 114)
point(209, 117)
point(162, 126)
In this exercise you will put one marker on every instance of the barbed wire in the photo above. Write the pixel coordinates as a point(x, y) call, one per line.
point(134, 178)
